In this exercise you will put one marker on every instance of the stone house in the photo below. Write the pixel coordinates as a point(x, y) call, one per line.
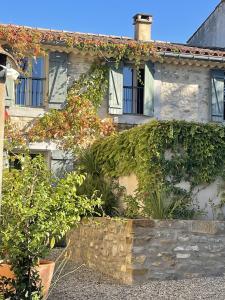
point(183, 81)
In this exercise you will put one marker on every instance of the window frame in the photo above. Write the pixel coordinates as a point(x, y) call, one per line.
point(28, 85)
point(135, 86)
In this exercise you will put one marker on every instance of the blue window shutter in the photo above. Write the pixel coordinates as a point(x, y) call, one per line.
point(10, 96)
point(116, 90)
point(149, 90)
point(57, 79)
point(9, 92)
point(217, 107)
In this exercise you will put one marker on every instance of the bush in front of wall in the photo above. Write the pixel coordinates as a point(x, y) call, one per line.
point(106, 188)
point(164, 153)
point(161, 203)
point(37, 209)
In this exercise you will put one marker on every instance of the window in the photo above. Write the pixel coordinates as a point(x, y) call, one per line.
point(31, 88)
point(14, 161)
point(133, 91)
point(129, 92)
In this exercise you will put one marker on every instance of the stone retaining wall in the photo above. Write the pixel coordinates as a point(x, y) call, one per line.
point(134, 251)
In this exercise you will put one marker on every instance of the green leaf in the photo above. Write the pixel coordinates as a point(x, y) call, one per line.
point(52, 243)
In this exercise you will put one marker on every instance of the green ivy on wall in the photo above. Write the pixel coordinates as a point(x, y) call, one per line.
point(92, 85)
point(164, 153)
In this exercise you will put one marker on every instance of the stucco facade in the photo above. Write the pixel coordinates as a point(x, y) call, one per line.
point(184, 92)
point(180, 92)
point(211, 33)
point(177, 81)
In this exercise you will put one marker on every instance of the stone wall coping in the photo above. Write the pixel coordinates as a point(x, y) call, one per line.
point(195, 226)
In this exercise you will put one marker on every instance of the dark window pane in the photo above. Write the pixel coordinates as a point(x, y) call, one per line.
point(21, 91)
point(24, 64)
point(127, 100)
point(127, 76)
point(38, 67)
point(37, 81)
point(133, 91)
point(140, 92)
point(14, 163)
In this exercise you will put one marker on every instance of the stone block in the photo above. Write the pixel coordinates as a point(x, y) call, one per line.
point(139, 272)
point(208, 227)
point(183, 255)
point(138, 250)
point(139, 259)
point(143, 223)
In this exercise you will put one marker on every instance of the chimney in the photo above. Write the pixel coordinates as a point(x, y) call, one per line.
point(143, 27)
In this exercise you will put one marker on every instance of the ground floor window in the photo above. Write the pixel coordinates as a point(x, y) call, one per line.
point(14, 162)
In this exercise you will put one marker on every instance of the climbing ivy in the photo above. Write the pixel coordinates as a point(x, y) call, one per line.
point(164, 153)
point(78, 123)
point(93, 84)
point(24, 41)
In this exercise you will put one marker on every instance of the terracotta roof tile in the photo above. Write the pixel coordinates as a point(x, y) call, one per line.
point(165, 47)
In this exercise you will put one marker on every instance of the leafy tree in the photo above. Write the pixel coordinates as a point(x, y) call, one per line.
point(36, 210)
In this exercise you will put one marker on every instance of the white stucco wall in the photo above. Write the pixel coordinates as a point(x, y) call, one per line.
point(206, 197)
point(182, 92)
point(212, 31)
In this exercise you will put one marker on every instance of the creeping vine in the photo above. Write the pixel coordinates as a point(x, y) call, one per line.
point(164, 153)
point(24, 41)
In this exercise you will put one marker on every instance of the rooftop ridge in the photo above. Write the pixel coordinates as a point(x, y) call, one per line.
point(67, 31)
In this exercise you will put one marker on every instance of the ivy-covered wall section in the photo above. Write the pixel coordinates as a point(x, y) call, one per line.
point(164, 154)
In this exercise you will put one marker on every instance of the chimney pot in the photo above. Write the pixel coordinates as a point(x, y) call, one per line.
point(143, 27)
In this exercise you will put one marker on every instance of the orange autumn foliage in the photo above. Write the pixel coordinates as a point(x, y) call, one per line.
point(76, 125)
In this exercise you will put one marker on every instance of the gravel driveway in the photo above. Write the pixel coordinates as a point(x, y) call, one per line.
point(84, 283)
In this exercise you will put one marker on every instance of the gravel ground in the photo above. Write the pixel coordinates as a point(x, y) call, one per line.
point(84, 283)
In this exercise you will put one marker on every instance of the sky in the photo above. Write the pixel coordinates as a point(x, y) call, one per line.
point(174, 20)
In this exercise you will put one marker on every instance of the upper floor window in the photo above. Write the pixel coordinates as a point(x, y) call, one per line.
point(133, 91)
point(31, 87)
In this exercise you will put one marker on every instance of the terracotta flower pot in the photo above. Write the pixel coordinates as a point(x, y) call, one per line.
point(45, 269)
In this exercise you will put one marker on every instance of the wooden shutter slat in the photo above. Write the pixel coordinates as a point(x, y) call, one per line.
point(149, 90)
point(217, 104)
point(9, 92)
point(57, 79)
point(116, 90)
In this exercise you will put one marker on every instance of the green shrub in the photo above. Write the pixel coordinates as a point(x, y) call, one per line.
point(133, 207)
point(104, 187)
point(160, 204)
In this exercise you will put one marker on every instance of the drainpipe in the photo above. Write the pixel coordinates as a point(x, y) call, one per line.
point(192, 56)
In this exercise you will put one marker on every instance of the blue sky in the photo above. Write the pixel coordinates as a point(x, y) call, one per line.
point(174, 20)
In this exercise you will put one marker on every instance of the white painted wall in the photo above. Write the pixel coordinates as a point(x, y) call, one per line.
point(212, 31)
point(203, 196)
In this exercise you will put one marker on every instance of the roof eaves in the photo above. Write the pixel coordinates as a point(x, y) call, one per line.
point(161, 46)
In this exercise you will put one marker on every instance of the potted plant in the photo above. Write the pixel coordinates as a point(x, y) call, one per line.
point(37, 209)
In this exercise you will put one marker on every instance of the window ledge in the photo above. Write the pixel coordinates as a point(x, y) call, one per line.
point(32, 112)
point(131, 119)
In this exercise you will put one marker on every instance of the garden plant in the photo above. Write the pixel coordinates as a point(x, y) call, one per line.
point(37, 210)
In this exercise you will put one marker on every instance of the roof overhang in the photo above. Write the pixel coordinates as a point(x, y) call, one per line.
point(9, 57)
